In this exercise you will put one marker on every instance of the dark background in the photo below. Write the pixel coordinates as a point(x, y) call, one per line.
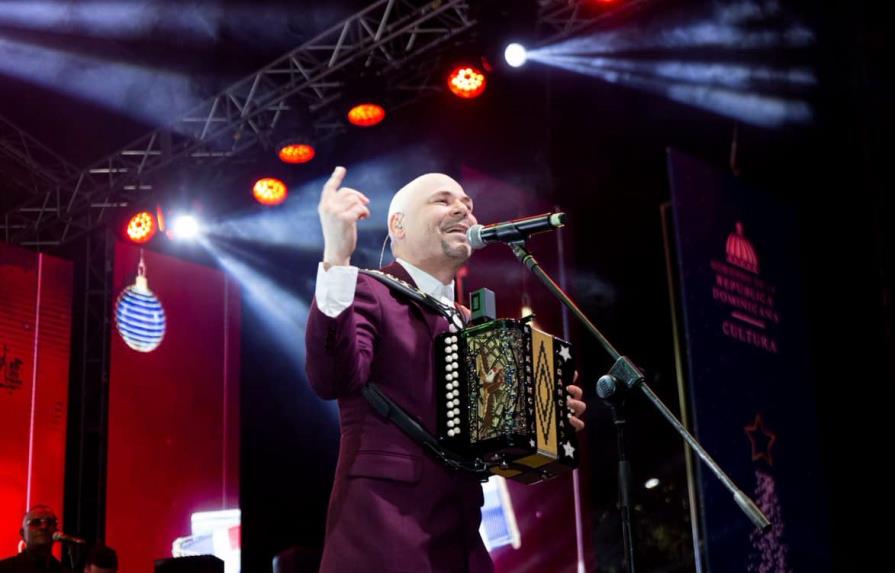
point(598, 150)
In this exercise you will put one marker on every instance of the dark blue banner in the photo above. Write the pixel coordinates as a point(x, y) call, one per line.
point(751, 389)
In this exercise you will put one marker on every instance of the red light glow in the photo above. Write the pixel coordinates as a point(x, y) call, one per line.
point(296, 153)
point(467, 82)
point(269, 191)
point(141, 227)
point(366, 114)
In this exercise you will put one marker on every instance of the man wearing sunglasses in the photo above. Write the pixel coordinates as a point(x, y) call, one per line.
point(38, 527)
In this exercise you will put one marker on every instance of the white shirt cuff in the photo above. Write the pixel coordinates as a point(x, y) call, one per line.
point(335, 288)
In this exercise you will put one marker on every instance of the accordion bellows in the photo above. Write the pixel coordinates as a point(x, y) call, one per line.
point(502, 399)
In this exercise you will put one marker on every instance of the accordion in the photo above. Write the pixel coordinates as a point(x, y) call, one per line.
point(502, 399)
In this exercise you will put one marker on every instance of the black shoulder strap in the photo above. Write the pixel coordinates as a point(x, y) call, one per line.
point(395, 414)
point(451, 314)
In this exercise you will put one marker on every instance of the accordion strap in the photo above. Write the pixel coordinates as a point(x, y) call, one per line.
point(448, 312)
point(395, 414)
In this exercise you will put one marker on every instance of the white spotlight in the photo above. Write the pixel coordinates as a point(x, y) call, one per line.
point(651, 483)
point(515, 54)
point(185, 228)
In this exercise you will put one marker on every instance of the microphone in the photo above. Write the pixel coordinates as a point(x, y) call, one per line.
point(515, 230)
point(59, 536)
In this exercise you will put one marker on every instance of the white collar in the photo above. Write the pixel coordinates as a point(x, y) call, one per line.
point(429, 284)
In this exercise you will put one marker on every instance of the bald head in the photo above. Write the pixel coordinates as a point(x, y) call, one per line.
point(416, 192)
point(427, 223)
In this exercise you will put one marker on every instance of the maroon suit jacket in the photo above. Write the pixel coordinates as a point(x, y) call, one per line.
point(393, 509)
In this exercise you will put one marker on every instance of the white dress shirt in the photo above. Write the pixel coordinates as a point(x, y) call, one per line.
point(335, 287)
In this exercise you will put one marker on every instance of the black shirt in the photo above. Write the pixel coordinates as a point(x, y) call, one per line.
point(26, 562)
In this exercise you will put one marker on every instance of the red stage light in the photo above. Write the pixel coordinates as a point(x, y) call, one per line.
point(467, 82)
point(141, 227)
point(366, 114)
point(296, 153)
point(269, 191)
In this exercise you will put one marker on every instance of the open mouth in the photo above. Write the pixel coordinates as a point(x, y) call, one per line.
point(456, 229)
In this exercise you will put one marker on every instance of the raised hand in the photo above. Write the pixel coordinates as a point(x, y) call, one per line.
point(340, 209)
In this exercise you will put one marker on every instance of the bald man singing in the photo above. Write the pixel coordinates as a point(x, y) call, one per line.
point(393, 508)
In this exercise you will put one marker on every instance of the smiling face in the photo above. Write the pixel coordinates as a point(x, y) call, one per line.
point(429, 228)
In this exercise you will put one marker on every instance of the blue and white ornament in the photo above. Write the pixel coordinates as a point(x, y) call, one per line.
point(139, 315)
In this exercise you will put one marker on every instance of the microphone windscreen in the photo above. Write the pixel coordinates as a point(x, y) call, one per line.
point(474, 236)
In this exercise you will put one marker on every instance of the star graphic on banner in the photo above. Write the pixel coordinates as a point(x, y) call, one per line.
point(761, 439)
point(531, 443)
point(566, 355)
point(569, 449)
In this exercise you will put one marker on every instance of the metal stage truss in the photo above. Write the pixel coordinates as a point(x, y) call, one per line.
point(27, 165)
point(385, 39)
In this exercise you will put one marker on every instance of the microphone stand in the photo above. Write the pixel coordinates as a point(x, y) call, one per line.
point(613, 388)
point(616, 403)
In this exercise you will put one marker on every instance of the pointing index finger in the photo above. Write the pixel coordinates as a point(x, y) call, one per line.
point(335, 181)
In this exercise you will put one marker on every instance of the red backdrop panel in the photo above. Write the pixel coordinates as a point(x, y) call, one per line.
point(35, 330)
point(173, 412)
